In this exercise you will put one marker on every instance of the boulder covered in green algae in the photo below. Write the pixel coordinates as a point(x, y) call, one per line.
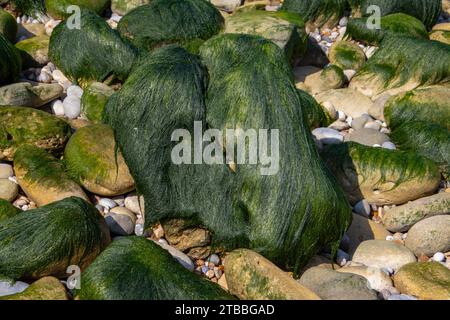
point(7, 210)
point(122, 7)
point(185, 22)
point(155, 275)
point(91, 159)
point(383, 177)
point(10, 62)
point(8, 25)
point(21, 125)
point(58, 9)
point(392, 24)
point(34, 51)
point(46, 288)
point(93, 101)
point(347, 55)
point(45, 241)
point(286, 29)
point(43, 177)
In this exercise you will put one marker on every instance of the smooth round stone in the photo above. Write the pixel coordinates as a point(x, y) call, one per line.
point(439, 257)
point(327, 105)
point(164, 241)
point(383, 254)
point(124, 211)
point(368, 137)
point(6, 171)
point(139, 229)
point(44, 77)
point(341, 115)
point(72, 107)
point(349, 74)
point(59, 76)
point(363, 208)
point(389, 145)
point(134, 203)
point(401, 297)
point(6, 288)
point(342, 257)
point(372, 125)
point(107, 203)
point(328, 136)
point(377, 278)
point(8, 190)
point(120, 224)
point(58, 108)
point(429, 236)
point(343, 22)
point(214, 258)
point(74, 91)
point(359, 122)
point(182, 258)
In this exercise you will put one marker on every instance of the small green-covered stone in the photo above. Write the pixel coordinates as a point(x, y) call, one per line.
point(7, 210)
point(94, 99)
point(34, 51)
point(347, 55)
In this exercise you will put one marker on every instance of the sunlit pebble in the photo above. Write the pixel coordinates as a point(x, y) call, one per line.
point(438, 257)
point(376, 145)
point(389, 238)
point(13, 179)
point(349, 120)
point(139, 230)
point(25, 207)
point(341, 115)
point(99, 207)
point(58, 108)
point(162, 240)
point(107, 203)
point(388, 271)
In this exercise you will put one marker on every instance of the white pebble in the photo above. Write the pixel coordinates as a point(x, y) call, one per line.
point(389, 238)
point(376, 145)
point(349, 120)
point(439, 257)
point(107, 203)
point(139, 229)
point(72, 107)
point(44, 77)
point(388, 145)
point(162, 240)
point(341, 115)
point(214, 258)
point(6, 171)
point(74, 91)
point(59, 76)
point(349, 74)
point(25, 207)
point(328, 136)
point(58, 107)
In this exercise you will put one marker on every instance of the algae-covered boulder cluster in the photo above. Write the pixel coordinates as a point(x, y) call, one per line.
point(222, 150)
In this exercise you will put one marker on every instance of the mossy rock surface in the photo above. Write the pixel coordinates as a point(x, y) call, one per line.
point(43, 177)
point(402, 64)
point(91, 159)
point(185, 22)
point(57, 9)
point(34, 51)
point(430, 105)
point(7, 210)
point(47, 288)
point(94, 52)
point(392, 24)
point(20, 125)
point(155, 275)
point(10, 62)
point(427, 280)
point(318, 12)
point(250, 276)
point(315, 114)
point(427, 11)
point(93, 101)
point(381, 176)
point(244, 198)
point(347, 55)
point(8, 25)
point(427, 139)
point(122, 7)
point(28, 95)
point(315, 81)
point(441, 36)
point(286, 29)
point(45, 241)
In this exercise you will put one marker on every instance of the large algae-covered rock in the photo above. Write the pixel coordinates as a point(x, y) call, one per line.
point(427, 139)
point(122, 7)
point(94, 99)
point(318, 12)
point(426, 11)
point(8, 25)
point(27, 95)
point(45, 241)
point(185, 22)
point(250, 276)
point(393, 24)
point(316, 115)
point(429, 104)
point(379, 175)
point(7, 210)
point(402, 64)
point(155, 275)
point(332, 285)
point(94, 52)
point(34, 51)
point(47, 288)
point(58, 9)
point(427, 280)
point(10, 62)
point(91, 159)
point(347, 55)
point(286, 29)
point(42, 177)
point(20, 125)
point(402, 218)
point(167, 93)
